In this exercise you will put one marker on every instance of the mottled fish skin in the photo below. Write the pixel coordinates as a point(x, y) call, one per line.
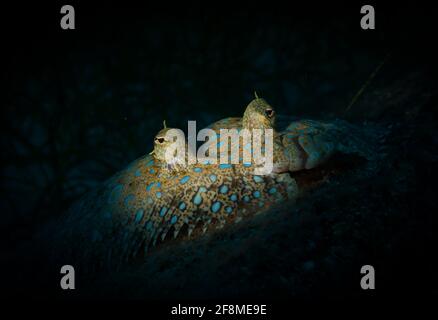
point(150, 201)
point(227, 123)
point(303, 144)
point(146, 203)
point(203, 194)
point(308, 144)
point(259, 114)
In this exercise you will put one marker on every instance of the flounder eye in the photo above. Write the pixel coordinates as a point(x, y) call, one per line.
point(159, 140)
point(269, 113)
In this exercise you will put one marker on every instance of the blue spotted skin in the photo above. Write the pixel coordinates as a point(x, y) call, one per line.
point(144, 203)
point(139, 207)
point(184, 180)
point(286, 157)
point(302, 144)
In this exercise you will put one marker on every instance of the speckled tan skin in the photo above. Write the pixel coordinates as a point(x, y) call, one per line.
point(148, 201)
point(303, 145)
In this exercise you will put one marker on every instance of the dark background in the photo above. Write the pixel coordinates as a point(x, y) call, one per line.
point(79, 105)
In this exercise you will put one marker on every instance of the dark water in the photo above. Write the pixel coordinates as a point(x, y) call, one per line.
point(80, 105)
